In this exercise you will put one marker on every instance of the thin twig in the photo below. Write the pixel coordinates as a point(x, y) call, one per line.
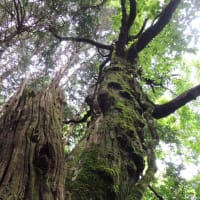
point(155, 193)
point(80, 39)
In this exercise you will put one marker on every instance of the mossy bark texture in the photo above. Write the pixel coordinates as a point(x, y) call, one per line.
point(115, 161)
point(31, 150)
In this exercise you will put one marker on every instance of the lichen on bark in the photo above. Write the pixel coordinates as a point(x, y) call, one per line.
point(114, 151)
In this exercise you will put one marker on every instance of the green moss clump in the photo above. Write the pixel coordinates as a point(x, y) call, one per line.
point(112, 167)
point(95, 180)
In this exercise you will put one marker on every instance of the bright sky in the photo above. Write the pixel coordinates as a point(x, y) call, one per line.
point(190, 169)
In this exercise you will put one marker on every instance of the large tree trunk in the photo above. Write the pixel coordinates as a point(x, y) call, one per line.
point(115, 160)
point(31, 149)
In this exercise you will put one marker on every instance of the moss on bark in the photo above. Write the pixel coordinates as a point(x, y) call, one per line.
point(95, 180)
point(109, 162)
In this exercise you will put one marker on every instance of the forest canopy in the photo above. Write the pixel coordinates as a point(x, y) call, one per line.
point(74, 45)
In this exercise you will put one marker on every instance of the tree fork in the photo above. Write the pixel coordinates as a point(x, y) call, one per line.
point(31, 149)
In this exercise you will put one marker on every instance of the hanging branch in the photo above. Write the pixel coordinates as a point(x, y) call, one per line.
point(126, 23)
point(168, 108)
point(155, 193)
point(89, 99)
point(80, 39)
point(102, 65)
point(154, 29)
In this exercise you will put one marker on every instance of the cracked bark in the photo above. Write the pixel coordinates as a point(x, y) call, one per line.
point(31, 149)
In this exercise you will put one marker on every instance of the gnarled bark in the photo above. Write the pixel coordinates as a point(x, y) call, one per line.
point(31, 149)
point(115, 160)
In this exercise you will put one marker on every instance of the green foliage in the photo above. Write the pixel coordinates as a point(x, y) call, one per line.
point(172, 186)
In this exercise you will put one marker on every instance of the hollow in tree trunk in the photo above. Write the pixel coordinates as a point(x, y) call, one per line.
point(31, 149)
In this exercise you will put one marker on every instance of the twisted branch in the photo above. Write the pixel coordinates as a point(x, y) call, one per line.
point(168, 108)
point(150, 33)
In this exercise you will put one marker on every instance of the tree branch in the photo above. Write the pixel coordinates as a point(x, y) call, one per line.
point(79, 39)
point(154, 29)
point(132, 14)
point(126, 24)
point(124, 14)
point(155, 193)
point(168, 108)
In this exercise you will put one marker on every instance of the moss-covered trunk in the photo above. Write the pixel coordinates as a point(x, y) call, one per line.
point(115, 160)
point(31, 150)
